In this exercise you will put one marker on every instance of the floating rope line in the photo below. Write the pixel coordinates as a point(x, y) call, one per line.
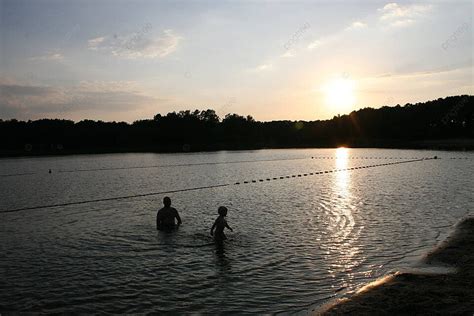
point(182, 165)
point(112, 198)
point(16, 174)
point(154, 166)
point(209, 163)
point(335, 170)
point(206, 187)
point(363, 157)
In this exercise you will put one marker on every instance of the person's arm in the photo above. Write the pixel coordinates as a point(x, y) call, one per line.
point(212, 229)
point(158, 221)
point(227, 225)
point(177, 217)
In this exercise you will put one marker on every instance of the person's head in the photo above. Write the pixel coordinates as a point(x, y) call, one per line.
point(167, 201)
point(222, 210)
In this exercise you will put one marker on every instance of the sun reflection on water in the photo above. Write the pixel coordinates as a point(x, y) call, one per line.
point(343, 197)
point(342, 177)
point(344, 248)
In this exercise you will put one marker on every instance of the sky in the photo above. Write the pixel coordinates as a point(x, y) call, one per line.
point(116, 60)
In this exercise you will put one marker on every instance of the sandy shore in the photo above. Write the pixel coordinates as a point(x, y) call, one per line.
point(437, 289)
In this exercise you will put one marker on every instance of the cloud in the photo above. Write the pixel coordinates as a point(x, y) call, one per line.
point(397, 15)
point(357, 25)
point(288, 54)
point(94, 43)
point(412, 70)
point(139, 44)
point(28, 101)
point(16, 90)
point(314, 44)
point(50, 56)
point(17, 99)
point(263, 67)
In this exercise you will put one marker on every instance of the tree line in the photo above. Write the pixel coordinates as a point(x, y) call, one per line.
point(397, 126)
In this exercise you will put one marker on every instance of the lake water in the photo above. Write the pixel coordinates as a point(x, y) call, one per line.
point(297, 241)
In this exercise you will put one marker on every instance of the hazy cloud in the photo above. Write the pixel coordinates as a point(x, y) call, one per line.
point(403, 15)
point(357, 25)
point(414, 70)
point(314, 44)
point(7, 90)
point(263, 67)
point(50, 56)
point(288, 54)
point(19, 101)
point(137, 45)
point(16, 99)
point(94, 43)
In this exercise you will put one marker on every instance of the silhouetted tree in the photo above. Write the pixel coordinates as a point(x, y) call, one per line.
point(398, 126)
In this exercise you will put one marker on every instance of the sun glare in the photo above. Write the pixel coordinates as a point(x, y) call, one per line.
point(340, 95)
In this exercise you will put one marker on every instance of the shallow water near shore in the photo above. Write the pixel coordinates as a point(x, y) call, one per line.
point(296, 241)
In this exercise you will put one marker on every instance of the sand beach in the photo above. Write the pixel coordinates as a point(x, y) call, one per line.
point(444, 287)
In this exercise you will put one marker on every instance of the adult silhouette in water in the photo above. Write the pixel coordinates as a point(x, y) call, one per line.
point(165, 218)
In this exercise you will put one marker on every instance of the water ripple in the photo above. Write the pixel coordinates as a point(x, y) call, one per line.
point(297, 241)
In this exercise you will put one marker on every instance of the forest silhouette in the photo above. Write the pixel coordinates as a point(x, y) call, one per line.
point(409, 126)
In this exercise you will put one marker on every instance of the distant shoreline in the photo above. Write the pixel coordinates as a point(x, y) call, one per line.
point(440, 144)
point(421, 292)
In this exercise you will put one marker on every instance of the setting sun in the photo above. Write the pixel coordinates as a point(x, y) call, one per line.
point(340, 95)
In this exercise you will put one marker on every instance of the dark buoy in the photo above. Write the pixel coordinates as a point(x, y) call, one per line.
point(435, 157)
point(49, 171)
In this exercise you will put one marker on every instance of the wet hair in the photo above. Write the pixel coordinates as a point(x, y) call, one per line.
point(222, 210)
point(167, 201)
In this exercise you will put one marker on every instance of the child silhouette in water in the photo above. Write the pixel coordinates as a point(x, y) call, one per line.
point(220, 224)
